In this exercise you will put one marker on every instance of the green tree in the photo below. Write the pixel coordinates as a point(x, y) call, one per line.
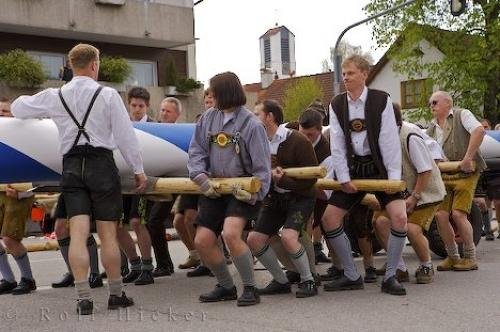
point(470, 42)
point(18, 69)
point(299, 95)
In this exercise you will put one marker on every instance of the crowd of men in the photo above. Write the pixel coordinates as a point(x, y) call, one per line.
point(284, 223)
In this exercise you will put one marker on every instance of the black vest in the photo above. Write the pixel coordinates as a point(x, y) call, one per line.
point(376, 102)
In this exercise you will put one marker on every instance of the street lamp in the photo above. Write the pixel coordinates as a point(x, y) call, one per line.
point(337, 58)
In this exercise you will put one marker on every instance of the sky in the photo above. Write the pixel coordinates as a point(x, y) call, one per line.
point(228, 32)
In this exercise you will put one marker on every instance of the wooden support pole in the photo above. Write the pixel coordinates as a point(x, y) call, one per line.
point(314, 172)
point(186, 186)
point(453, 166)
point(364, 185)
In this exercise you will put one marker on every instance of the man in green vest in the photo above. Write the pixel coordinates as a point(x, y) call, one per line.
point(460, 134)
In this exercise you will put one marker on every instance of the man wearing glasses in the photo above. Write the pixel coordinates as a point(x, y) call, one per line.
point(460, 134)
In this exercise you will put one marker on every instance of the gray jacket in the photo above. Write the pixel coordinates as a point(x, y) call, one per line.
point(218, 162)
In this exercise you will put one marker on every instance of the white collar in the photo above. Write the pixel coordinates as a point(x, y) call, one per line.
point(362, 97)
point(280, 134)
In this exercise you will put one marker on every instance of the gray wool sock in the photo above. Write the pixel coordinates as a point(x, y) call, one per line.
point(268, 258)
point(5, 268)
point(339, 242)
point(452, 252)
point(94, 258)
point(301, 262)
point(23, 262)
point(307, 243)
point(244, 265)
point(82, 289)
point(115, 287)
point(64, 247)
point(395, 246)
point(221, 273)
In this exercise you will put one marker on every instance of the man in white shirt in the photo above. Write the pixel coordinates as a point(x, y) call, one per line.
point(365, 144)
point(460, 134)
point(91, 121)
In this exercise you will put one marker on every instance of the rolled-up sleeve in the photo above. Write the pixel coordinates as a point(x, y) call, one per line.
point(124, 134)
point(258, 149)
point(389, 144)
point(338, 148)
point(198, 152)
point(36, 106)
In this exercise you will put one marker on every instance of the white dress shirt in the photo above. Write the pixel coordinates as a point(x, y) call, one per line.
point(468, 120)
point(435, 149)
point(389, 144)
point(108, 124)
point(420, 155)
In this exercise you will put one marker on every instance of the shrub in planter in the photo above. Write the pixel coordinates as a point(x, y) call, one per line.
point(19, 70)
point(114, 69)
point(186, 85)
point(171, 75)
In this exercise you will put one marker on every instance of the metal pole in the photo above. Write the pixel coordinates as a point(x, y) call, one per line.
point(337, 58)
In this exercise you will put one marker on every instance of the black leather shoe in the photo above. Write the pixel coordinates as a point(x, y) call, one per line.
point(250, 296)
point(67, 281)
point(115, 302)
point(370, 275)
point(332, 274)
point(161, 272)
point(219, 294)
point(132, 276)
point(84, 307)
point(275, 287)
point(7, 287)
point(200, 271)
point(95, 280)
point(393, 287)
point(146, 278)
point(25, 286)
point(306, 289)
point(319, 255)
point(344, 283)
point(317, 279)
point(490, 237)
point(293, 277)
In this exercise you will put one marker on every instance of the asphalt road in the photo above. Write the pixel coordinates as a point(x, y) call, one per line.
point(456, 301)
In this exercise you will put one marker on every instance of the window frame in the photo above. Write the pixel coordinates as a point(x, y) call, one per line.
point(54, 54)
point(154, 66)
point(422, 84)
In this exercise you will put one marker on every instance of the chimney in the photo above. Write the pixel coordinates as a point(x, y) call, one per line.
point(266, 77)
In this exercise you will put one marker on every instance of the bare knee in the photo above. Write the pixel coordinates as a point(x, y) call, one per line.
point(289, 239)
point(256, 240)
point(458, 215)
point(231, 236)
point(203, 242)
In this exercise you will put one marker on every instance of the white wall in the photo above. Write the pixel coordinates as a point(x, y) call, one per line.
point(390, 81)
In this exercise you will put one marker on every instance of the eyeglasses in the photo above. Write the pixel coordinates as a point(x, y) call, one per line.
point(433, 103)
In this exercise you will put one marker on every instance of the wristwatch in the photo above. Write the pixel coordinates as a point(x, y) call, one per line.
point(417, 196)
